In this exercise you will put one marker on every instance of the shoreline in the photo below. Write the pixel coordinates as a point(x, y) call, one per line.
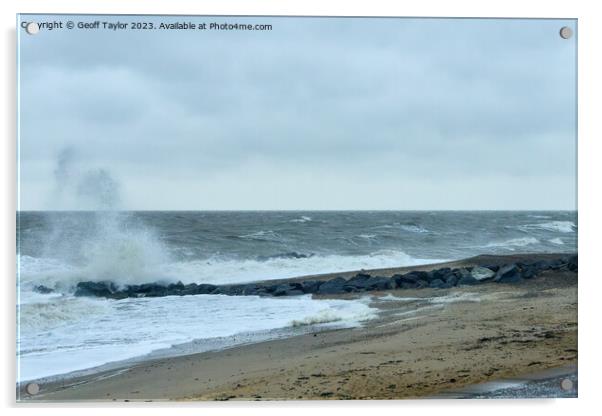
point(171, 378)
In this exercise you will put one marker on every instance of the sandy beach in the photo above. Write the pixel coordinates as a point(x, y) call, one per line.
point(424, 343)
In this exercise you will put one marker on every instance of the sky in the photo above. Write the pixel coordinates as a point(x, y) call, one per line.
point(318, 113)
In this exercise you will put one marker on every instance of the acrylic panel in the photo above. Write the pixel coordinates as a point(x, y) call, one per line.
point(295, 208)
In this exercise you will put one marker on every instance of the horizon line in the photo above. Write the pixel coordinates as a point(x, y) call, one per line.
point(295, 210)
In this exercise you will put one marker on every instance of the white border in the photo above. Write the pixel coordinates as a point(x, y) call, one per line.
point(590, 210)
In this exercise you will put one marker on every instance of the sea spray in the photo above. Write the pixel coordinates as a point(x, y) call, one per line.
point(102, 243)
point(122, 252)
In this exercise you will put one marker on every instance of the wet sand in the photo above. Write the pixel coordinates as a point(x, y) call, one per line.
point(423, 344)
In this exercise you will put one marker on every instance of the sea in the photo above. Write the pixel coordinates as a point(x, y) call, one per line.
point(58, 333)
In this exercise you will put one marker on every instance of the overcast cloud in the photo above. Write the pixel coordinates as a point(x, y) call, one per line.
point(317, 113)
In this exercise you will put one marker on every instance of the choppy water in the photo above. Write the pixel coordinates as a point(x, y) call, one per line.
point(60, 333)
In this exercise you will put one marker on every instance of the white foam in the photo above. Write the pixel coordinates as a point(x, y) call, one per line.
point(557, 241)
point(263, 235)
point(237, 271)
point(456, 297)
point(556, 226)
point(60, 276)
point(78, 333)
point(302, 219)
point(514, 242)
point(337, 313)
point(414, 229)
point(560, 226)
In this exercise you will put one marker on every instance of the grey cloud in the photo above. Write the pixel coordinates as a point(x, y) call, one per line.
point(406, 101)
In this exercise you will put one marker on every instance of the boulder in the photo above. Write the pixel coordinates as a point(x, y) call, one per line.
point(482, 273)
point(493, 267)
point(99, 289)
point(541, 265)
point(358, 283)
point(410, 279)
point(175, 286)
point(190, 289)
point(416, 275)
point(437, 283)
point(558, 264)
point(451, 279)
point(527, 271)
point(361, 276)
point(572, 264)
point(221, 290)
point(288, 289)
point(439, 273)
point(205, 288)
point(370, 283)
point(422, 284)
point(250, 290)
point(467, 280)
point(508, 274)
point(310, 286)
point(398, 281)
point(43, 289)
point(333, 286)
point(462, 272)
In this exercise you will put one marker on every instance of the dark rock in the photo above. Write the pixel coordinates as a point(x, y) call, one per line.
point(370, 283)
point(493, 268)
point(467, 281)
point(99, 289)
point(152, 289)
point(541, 265)
point(221, 290)
point(361, 276)
point(359, 281)
point(418, 275)
point(508, 274)
point(43, 289)
point(290, 255)
point(451, 279)
point(409, 279)
point(288, 289)
point(462, 272)
point(175, 286)
point(557, 264)
point(573, 263)
point(437, 283)
point(528, 271)
point(250, 290)
point(408, 285)
point(333, 286)
point(310, 286)
point(422, 284)
point(440, 273)
point(155, 291)
point(205, 288)
point(190, 289)
point(233, 290)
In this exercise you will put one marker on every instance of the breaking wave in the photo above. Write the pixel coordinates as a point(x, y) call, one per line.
point(351, 314)
point(267, 235)
point(124, 270)
point(555, 226)
point(302, 219)
point(514, 242)
point(414, 228)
